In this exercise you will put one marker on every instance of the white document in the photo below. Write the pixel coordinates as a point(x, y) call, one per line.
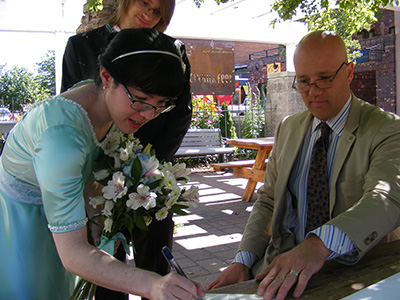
point(231, 297)
point(387, 289)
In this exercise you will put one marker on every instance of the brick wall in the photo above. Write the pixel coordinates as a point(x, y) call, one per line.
point(242, 50)
point(257, 68)
point(381, 65)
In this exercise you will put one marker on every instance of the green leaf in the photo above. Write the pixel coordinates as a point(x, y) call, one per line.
point(136, 170)
point(178, 209)
point(95, 5)
point(139, 221)
point(154, 184)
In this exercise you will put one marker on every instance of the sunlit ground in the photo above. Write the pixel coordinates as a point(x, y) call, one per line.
point(206, 239)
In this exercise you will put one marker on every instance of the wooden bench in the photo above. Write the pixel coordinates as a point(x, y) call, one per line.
point(6, 126)
point(233, 164)
point(243, 169)
point(201, 142)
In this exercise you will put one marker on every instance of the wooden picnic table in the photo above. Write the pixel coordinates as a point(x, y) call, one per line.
point(335, 280)
point(254, 173)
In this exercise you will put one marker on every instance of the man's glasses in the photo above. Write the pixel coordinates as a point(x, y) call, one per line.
point(147, 7)
point(323, 83)
point(139, 105)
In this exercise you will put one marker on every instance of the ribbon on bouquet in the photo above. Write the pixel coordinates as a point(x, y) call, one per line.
point(107, 244)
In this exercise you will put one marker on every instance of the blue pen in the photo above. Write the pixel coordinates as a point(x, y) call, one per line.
point(172, 262)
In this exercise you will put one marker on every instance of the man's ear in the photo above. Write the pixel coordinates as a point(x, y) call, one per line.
point(105, 77)
point(350, 71)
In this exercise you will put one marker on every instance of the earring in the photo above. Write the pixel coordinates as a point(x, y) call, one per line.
point(104, 87)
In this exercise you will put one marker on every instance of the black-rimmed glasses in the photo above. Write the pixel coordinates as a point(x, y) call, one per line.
point(323, 83)
point(139, 105)
point(146, 6)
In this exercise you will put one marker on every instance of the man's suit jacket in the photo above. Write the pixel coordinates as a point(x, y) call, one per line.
point(365, 183)
point(165, 132)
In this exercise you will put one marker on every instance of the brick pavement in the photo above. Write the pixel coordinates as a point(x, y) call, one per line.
point(206, 239)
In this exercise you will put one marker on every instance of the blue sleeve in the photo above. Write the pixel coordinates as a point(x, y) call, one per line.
point(59, 158)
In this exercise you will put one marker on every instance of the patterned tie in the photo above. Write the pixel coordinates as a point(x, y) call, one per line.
point(318, 182)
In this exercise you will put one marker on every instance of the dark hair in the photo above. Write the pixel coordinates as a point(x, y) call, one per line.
point(151, 72)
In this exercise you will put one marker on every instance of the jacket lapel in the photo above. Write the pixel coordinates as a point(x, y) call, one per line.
point(346, 142)
point(289, 150)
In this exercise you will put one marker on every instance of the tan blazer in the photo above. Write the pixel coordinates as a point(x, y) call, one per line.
point(365, 183)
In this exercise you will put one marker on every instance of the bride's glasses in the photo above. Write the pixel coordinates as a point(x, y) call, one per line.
point(139, 105)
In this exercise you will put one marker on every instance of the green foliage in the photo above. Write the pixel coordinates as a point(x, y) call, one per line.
point(199, 2)
point(19, 86)
point(344, 17)
point(254, 121)
point(205, 112)
point(226, 123)
point(95, 5)
point(47, 72)
point(345, 23)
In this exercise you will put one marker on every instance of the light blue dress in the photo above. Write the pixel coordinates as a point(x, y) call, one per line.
point(47, 159)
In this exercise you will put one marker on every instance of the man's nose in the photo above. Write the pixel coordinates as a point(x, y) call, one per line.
point(314, 89)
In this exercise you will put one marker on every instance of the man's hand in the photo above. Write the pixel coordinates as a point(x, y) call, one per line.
point(296, 265)
point(233, 274)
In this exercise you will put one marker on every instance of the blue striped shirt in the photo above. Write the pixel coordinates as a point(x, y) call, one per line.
point(332, 237)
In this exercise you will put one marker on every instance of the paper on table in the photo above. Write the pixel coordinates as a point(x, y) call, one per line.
point(231, 297)
point(388, 289)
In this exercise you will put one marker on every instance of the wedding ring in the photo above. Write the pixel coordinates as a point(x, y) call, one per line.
point(294, 272)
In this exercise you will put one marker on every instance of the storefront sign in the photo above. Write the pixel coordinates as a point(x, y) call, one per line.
point(213, 69)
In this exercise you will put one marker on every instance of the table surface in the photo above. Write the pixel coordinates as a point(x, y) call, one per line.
point(251, 143)
point(335, 280)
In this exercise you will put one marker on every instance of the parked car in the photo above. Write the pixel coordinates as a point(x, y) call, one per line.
point(5, 114)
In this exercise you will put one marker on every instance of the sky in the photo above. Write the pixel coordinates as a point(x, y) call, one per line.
point(29, 28)
point(246, 20)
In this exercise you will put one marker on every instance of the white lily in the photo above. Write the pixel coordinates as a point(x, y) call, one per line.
point(102, 174)
point(112, 143)
point(150, 165)
point(115, 188)
point(107, 210)
point(108, 224)
point(143, 198)
point(191, 194)
point(98, 200)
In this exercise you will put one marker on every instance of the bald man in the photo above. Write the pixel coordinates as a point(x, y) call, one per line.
point(279, 246)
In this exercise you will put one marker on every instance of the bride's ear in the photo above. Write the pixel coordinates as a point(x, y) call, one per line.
point(106, 77)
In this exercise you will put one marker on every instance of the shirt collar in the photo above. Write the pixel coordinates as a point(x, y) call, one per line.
point(337, 122)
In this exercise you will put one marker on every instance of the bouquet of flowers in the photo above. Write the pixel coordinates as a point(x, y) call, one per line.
point(137, 189)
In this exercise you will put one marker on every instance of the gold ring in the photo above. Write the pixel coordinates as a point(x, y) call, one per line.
point(294, 272)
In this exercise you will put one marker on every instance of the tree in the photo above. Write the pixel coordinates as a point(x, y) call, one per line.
point(344, 17)
point(226, 123)
point(47, 72)
point(96, 5)
point(19, 86)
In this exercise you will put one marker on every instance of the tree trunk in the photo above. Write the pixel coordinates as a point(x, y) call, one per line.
point(94, 19)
